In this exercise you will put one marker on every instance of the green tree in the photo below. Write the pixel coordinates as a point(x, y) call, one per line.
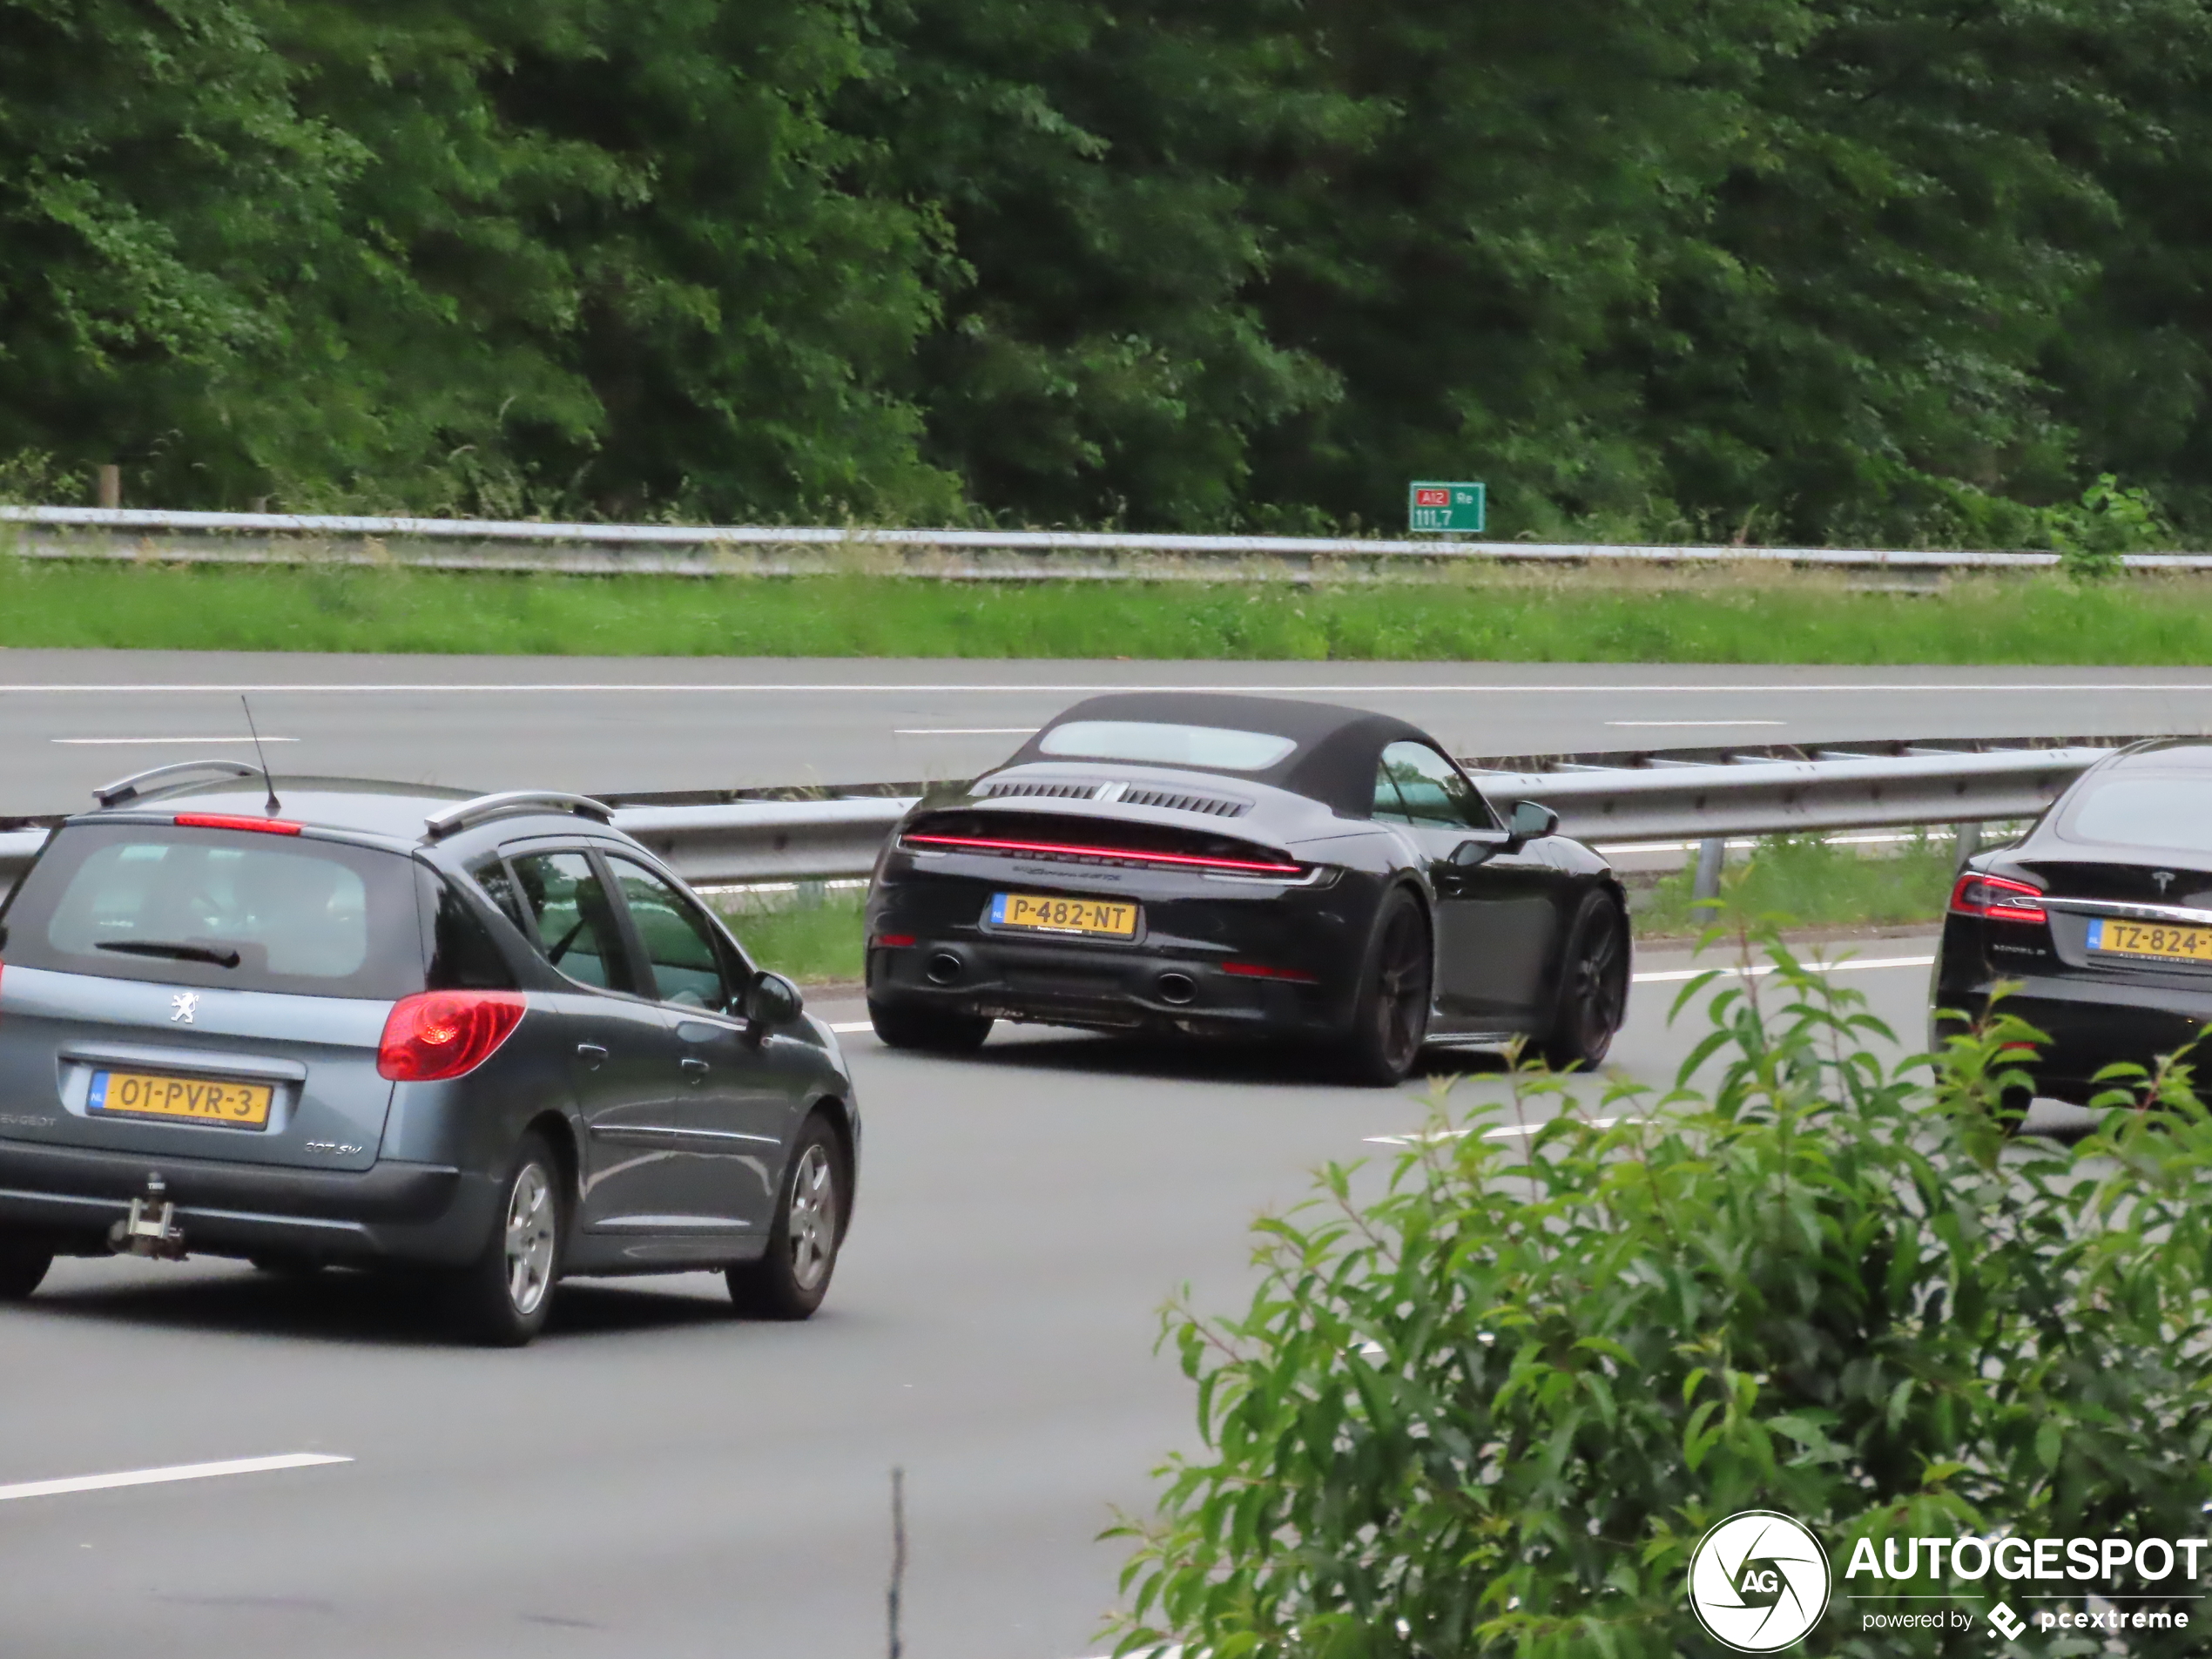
point(1099, 356)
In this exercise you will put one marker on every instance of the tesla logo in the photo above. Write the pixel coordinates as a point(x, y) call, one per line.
point(2164, 878)
point(184, 1007)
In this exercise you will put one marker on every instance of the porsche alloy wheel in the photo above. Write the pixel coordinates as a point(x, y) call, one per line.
point(1593, 988)
point(1390, 1021)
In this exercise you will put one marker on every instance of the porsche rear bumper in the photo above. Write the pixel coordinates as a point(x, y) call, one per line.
point(1050, 983)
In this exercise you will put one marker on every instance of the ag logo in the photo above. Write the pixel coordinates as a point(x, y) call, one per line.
point(1759, 1582)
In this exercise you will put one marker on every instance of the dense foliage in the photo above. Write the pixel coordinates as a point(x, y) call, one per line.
point(1776, 269)
point(1492, 1411)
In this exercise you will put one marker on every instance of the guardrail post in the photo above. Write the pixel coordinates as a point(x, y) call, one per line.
point(111, 477)
point(1969, 844)
point(1707, 887)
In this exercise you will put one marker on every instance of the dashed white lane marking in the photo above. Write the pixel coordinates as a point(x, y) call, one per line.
point(1672, 725)
point(1508, 1132)
point(133, 742)
point(851, 1026)
point(162, 1477)
point(964, 732)
point(1675, 975)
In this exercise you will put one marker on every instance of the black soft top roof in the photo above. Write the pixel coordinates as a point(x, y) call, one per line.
point(1334, 762)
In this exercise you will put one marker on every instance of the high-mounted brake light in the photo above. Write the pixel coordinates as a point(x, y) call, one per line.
point(1135, 855)
point(436, 1034)
point(1997, 898)
point(1255, 970)
point(226, 820)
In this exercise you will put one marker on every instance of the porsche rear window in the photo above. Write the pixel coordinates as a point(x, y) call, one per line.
point(2174, 813)
point(1151, 743)
point(217, 907)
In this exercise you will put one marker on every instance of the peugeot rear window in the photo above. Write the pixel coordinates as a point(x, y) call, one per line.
point(1155, 743)
point(220, 908)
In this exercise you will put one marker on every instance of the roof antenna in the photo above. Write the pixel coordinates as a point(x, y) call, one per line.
point(271, 806)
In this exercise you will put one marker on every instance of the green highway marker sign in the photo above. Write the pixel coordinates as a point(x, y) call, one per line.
point(1446, 509)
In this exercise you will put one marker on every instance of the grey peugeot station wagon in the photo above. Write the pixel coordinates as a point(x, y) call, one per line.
point(319, 1021)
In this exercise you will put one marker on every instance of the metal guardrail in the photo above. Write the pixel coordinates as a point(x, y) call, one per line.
point(967, 554)
point(749, 841)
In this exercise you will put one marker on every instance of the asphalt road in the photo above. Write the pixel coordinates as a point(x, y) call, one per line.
point(656, 1480)
point(70, 720)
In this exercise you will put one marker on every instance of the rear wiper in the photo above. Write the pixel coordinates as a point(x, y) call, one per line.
point(175, 953)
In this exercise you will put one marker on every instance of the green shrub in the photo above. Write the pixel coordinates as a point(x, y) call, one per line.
point(1492, 1410)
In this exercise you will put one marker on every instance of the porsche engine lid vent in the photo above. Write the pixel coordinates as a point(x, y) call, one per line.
point(1212, 805)
point(1017, 787)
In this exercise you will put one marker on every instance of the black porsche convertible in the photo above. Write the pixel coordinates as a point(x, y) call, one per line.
point(1242, 867)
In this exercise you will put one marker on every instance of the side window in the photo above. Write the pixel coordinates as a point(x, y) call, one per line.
point(568, 916)
point(1389, 806)
point(491, 875)
point(463, 955)
point(679, 942)
point(1434, 793)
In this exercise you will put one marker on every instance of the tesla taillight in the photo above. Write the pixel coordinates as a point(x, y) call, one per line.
point(437, 1035)
point(1997, 898)
point(226, 820)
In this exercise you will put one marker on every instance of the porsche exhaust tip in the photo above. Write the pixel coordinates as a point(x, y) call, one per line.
point(1178, 988)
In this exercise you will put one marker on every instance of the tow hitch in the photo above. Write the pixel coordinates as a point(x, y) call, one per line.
point(150, 1229)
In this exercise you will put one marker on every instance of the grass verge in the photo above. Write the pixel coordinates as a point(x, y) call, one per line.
point(1814, 884)
point(814, 944)
point(1491, 614)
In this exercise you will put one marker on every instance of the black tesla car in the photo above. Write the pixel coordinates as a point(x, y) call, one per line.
point(1243, 866)
point(2102, 914)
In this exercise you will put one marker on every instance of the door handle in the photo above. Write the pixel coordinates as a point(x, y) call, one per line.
point(592, 1055)
point(695, 1070)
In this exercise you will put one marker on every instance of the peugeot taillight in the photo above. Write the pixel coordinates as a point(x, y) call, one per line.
point(1997, 898)
point(437, 1035)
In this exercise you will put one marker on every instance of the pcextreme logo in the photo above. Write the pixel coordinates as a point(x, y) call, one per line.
point(1759, 1582)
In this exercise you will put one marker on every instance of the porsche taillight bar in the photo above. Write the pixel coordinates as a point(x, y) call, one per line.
point(1127, 855)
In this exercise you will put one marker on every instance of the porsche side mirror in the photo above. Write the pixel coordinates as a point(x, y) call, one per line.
point(771, 1001)
point(1531, 821)
point(1481, 850)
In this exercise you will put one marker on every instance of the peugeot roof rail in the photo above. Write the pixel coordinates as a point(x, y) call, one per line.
point(509, 802)
point(130, 788)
